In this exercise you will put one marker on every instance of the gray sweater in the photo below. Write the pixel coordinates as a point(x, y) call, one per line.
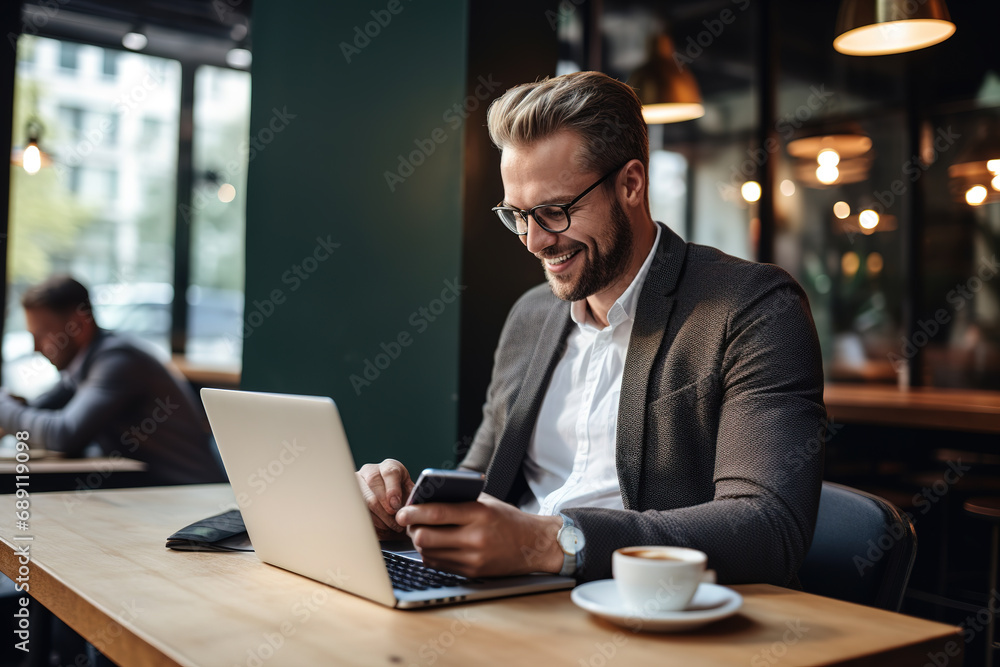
point(128, 402)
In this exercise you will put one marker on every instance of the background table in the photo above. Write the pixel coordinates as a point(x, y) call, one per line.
point(100, 565)
point(917, 407)
point(64, 474)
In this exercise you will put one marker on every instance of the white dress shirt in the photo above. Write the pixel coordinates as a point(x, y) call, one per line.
point(571, 456)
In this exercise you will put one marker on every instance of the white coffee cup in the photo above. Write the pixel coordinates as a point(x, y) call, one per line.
point(658, 578)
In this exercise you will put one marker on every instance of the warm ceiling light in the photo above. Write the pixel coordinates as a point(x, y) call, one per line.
point(31, 157)
point(975, 195)
point(787, 188)
point(750, 191)
point(882, 27)
point(977, 163)
point(868, 219)
point(227, 193)
point(845, 145)
point(659, 114)
point(828, 158)
point(669, 94)
point(850, 263)
point(874, 263)
point(239, 58)
point(842, 158)
point(134, 41)
point(842, 209)
point(31, 160)
point(827, 175)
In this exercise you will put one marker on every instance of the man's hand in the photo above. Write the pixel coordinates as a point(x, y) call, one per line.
point(385, 487)
point(483, 538)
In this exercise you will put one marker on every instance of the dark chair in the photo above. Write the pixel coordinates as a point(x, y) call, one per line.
point(988, 509)
point(862, 551)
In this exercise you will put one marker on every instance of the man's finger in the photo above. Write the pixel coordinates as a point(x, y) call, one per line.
point(437, 514)
point(386, 532)
point(456, 561)
point(371, 476)
point(375, 506)
point(437, 537)
point(394, 476)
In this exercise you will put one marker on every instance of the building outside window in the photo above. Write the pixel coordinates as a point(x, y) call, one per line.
point(106, 210)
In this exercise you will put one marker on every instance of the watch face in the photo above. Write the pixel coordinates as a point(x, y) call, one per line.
point(570, 539)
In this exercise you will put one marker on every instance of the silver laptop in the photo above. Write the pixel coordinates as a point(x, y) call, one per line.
point(291, 469)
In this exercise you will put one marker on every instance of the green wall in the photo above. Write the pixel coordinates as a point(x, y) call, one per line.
point(324, 132)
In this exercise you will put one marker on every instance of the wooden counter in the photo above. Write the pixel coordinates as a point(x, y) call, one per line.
point(919, 407)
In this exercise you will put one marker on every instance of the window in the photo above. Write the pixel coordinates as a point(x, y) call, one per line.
point(69, 54)
point(222, 124)
point(72, 178)
point(71, 122)
point(150, 133)
point(109, 63)
point(105, 211)
point(98, 186)
point(106, 128)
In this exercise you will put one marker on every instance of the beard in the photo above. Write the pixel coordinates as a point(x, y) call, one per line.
point(602, 265)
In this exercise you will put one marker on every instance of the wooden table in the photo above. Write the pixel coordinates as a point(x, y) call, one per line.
point(101, 566)
point(918, 407)
point(226, 376)
point(64, 474)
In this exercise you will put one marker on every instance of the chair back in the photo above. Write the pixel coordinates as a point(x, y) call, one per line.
point(862, 550)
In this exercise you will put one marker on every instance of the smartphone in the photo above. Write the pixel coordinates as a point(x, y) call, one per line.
point(440, 485)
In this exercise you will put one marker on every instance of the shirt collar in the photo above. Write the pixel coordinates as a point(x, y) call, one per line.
point(624, 307)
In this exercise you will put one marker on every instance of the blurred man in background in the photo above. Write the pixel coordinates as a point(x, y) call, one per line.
point(111, 392)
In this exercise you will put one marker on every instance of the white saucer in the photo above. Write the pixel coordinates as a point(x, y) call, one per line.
point(710, 603)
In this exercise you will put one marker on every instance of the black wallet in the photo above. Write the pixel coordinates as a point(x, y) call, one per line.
point(222, 532)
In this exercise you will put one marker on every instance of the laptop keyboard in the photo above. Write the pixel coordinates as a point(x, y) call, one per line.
point(410, 575)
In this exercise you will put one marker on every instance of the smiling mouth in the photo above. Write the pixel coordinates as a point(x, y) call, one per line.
point(561, 259)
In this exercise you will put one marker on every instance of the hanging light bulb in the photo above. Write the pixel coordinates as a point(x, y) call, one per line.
point(31, 158)
point(239, 58)
point(135, 39)
point(828, 158)
point(827, 174)
point(751, 191)
point(868, 219)
point(976, 195)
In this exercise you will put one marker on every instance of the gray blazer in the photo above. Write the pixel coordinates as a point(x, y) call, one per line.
point(721, 418)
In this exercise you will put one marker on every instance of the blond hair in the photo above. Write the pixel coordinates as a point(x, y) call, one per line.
point(606, 113)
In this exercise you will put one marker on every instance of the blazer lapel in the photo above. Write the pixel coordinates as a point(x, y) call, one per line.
point(651, 316)
point(513, 445)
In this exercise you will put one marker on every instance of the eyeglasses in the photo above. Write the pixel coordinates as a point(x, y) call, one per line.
point(553, 218)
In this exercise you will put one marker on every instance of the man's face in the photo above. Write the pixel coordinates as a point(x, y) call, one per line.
point(55, 335)
point(594, 253)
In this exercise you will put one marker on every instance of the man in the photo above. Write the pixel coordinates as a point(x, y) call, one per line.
point(111, 392)
point(654, 392)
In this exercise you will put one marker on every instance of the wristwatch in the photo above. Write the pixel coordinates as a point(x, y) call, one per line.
point(570, 539)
